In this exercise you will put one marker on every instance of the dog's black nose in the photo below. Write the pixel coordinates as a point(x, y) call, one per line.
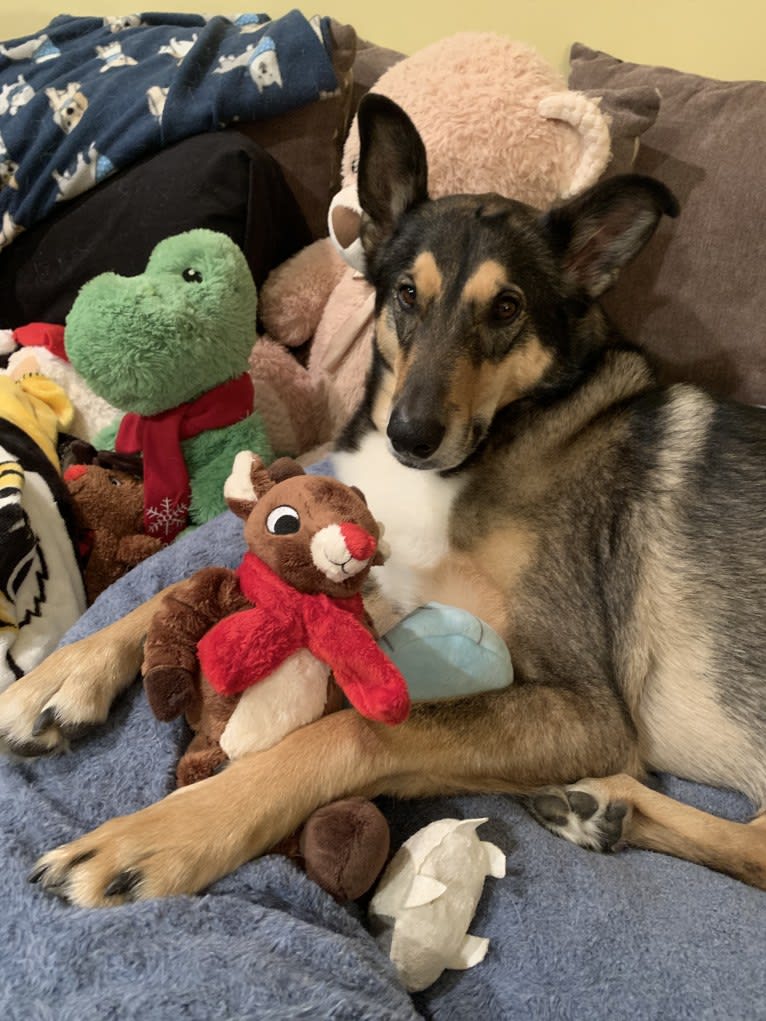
point(418, 437)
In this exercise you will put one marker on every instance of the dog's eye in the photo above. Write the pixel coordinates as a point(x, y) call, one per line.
point(192, 276)
point(407, 296)
point(505, 307)
point(283, 521)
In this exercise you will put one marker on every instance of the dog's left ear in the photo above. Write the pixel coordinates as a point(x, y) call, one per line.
point(393, 171)
point(602, 230)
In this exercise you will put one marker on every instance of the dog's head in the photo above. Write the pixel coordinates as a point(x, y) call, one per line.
point(480, 300)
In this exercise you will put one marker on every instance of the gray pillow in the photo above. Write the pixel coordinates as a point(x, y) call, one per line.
point(694, 297)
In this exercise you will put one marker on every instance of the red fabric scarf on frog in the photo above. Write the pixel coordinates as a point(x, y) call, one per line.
point(247, 646)
point(167, 493)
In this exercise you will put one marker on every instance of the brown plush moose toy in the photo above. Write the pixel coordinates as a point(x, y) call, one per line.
point(250, 655)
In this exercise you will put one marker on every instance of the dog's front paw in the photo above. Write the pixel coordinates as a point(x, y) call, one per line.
point(580, 813)
point(30, 723)
point(68, 693)
point(133, 857)
point(179, 845)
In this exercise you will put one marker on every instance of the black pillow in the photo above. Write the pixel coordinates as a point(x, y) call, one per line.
point(220, 180)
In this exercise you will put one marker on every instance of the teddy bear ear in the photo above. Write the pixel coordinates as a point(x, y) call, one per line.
point(584, 115)
point(344, 220)
point(248, 481)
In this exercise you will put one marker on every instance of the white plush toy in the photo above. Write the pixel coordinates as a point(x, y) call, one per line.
point(426, 899)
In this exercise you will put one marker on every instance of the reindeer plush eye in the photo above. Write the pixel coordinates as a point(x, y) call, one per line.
point(283, 521)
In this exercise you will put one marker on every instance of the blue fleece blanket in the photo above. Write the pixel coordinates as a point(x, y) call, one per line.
point(87, 96)
point(573, 934)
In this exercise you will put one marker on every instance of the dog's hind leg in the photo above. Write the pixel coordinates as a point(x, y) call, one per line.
point(606, 812)
point(511, 741)
point(74, 687)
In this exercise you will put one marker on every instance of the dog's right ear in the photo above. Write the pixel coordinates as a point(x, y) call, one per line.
point(393, 171)
point(605, 227)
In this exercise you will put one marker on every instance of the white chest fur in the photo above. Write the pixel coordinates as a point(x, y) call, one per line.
point(414, 507)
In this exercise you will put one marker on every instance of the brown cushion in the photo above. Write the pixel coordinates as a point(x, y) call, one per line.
point(694, 296)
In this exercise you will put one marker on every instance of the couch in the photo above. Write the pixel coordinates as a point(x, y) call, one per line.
point(572, 934)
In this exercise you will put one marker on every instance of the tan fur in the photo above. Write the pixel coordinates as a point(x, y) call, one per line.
point(464, 581)
point(383, 398)
point(427, 277)
point(495, 386)
point(484, 283)
point(193, 836)
point(385, 338)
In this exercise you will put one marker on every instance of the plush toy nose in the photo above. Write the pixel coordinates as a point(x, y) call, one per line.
point(360, 544)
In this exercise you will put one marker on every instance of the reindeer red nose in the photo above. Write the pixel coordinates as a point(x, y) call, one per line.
point(360, 544)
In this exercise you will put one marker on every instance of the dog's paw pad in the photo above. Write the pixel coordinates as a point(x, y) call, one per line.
point(579, 816)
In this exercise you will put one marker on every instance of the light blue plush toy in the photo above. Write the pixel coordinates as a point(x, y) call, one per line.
point(444, 651)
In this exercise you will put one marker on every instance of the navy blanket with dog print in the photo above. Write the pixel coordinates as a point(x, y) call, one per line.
point(87, 96)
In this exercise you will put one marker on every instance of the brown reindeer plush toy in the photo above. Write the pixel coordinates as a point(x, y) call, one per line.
point(250, 655)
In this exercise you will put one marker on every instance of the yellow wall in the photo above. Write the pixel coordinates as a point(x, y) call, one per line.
point(726, 40)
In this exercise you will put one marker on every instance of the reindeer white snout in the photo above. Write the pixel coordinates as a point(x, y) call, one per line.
point(341, 551)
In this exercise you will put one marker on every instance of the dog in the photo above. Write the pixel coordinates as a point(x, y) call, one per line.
point(528, 467)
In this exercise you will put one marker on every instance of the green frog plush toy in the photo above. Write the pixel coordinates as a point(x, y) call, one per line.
point(170, 348)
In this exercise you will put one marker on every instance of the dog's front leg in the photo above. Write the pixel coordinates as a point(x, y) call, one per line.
point(511, 741)
point(74, 687)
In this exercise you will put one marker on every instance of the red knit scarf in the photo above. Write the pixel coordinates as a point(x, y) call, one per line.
point(246, 647)
point(167, 493)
